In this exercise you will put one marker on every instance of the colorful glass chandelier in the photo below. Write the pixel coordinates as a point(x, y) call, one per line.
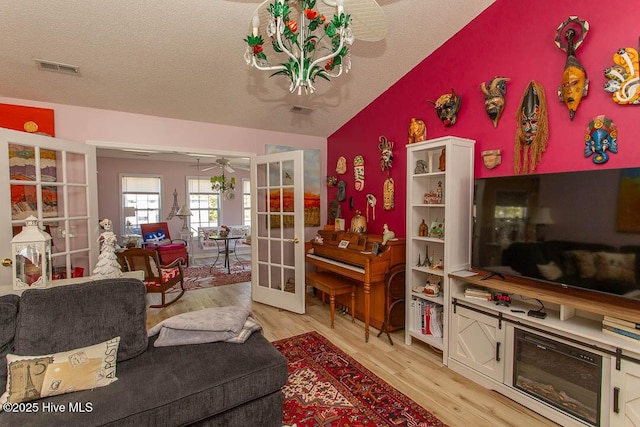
point(313, 45)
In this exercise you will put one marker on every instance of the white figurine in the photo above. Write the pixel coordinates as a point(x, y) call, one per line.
point(107, 266)
point(387, 234)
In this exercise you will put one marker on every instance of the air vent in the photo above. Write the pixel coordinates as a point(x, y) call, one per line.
point(58, 67)
point(300, 110)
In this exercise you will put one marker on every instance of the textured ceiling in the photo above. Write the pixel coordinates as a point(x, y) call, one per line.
point(184, 59)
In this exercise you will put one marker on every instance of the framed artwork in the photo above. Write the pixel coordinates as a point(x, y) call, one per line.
point(27, 119)
point(629, 201)
point(311, 158)
point(24, 198)
point(343, 244)
point(339, 224)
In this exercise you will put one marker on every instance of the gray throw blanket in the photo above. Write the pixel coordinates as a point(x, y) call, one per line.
point(230, 324)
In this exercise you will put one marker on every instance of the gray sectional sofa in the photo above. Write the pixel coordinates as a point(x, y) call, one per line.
point(221, 384)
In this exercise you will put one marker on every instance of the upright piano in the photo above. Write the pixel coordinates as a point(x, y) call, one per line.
point(357, 261)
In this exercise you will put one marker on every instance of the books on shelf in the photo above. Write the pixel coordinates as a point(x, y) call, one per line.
point(626, 323)
point(477, 292)
point(428, 317)
point(621, 334)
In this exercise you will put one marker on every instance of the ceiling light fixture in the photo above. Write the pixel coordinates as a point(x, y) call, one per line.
point(301, 41)
point(223, 186)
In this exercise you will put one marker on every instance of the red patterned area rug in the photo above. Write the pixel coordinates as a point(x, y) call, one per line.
point(326, 387)
point(206, 276)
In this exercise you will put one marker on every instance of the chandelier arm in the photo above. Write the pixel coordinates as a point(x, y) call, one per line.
point(330, 56)
point(279, 24)
point(254, 63)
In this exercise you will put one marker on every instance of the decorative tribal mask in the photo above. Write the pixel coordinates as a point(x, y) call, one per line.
point(623, 77)
point(532, 132)
point(601, 136)
point(494, 97)
point(447, 107)
point(575, 84)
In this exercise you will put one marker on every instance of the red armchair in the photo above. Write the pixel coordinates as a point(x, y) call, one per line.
point(156, 236)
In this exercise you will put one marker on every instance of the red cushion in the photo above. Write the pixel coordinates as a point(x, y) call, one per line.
point(171, 247)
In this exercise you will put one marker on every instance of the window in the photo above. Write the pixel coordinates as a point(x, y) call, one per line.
point(143, 194)
point(509, 214)
point(204, 203)
point(246, 201)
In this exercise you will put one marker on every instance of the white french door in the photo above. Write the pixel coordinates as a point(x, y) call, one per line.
point(55, 181)
point(277, 230)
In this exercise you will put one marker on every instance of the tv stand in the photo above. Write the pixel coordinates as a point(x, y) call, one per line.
point(479, 328)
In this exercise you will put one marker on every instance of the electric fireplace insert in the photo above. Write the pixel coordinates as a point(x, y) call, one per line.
point(562, 375)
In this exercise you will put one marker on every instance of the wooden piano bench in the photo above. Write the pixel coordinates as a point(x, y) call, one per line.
point(333, 284)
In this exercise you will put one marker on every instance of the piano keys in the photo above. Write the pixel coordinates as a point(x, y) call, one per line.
point(356, 261)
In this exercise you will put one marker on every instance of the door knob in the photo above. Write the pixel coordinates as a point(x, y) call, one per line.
point(294, 240)
point(7, 262)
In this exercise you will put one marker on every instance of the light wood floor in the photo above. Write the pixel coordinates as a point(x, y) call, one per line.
point(415, 370)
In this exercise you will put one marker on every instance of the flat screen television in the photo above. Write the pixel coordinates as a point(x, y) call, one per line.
point(577, 229)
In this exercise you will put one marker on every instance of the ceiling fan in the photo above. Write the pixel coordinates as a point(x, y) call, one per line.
point(221, 162)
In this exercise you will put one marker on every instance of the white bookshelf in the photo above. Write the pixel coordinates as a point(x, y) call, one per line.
point(453, 249)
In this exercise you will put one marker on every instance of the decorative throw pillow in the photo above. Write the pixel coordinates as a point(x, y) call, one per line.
point(550, 271)
point(34, 377)
point(584, 262)
point(614, 266)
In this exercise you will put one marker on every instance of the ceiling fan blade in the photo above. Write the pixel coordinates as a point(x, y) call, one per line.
point(208, 169)
point(229, 169)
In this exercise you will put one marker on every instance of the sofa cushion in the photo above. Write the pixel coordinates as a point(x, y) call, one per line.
point(53, 374)
point(615, 266)
point(167, 386)
point(550, 271)
point(73, 316)
point(8, 318)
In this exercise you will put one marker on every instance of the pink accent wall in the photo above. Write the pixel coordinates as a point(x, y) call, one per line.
point(174, 177)
point(512, 39)
point(90, 124)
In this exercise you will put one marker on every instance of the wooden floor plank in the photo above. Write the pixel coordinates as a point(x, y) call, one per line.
point(416, 370)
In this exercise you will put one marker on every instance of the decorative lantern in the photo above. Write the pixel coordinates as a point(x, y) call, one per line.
point(31, 254)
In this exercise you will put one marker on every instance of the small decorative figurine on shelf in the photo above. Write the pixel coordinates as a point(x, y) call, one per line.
point(434, 197)
point(575, 84)
point(601, 136)
point(432, 287)
point(423, 230)
point(494, 98)
point(358, 223)
point(417, 130)
point(421, 167)
point(387, 234)
point(319, 239)
point(437, 230)
point(386, 153)
point(447, 107)
point(442, 161)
